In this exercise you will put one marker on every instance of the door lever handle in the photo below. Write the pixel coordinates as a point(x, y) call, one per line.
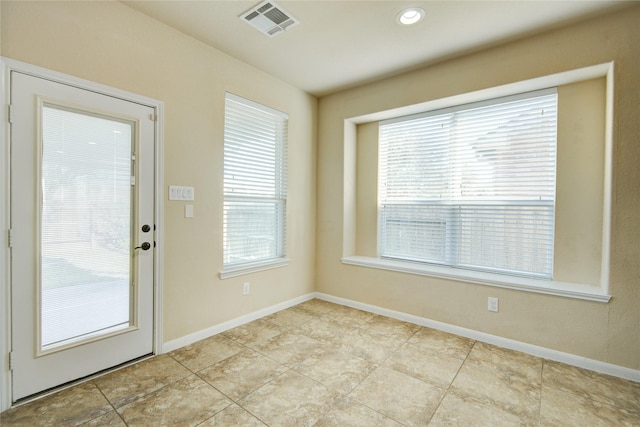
point(145, 246)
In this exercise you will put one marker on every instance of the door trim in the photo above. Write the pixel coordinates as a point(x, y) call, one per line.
point(7, 66)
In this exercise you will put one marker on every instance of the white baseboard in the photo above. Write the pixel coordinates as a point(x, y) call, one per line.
point(238, 321)
point(534, 350)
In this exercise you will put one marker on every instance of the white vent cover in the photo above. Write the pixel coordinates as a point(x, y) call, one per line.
point(269, 18)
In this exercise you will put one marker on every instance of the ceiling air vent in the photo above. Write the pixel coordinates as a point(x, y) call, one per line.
point(269, 18)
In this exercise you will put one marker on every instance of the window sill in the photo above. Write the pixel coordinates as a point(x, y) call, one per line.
point(563, 289)
point(240, 270)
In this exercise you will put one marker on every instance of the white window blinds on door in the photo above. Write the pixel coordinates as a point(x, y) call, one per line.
point(255, 139)
point(472, 186)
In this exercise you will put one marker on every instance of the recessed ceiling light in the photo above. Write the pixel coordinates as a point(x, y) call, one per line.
point(410, 16)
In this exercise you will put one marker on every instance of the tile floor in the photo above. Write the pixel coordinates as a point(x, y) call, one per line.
point(322, 364)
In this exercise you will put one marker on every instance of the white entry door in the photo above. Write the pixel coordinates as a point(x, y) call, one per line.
point(82, 232)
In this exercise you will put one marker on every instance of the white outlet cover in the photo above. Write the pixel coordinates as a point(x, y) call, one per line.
point(492, 304)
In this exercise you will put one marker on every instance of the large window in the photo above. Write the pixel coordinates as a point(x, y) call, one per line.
point(472, 186)
point(255, 140)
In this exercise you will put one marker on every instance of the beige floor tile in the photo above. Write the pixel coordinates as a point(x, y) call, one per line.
point(290, 400)
point(428, 365)
point(289, 348)
point(325, 329)
point(70, 407)
point(207, 352)
point(348, 412)
point(254, 332)
point(403, 398)
point(337, 366)
point(291, 317)
point(562, 408)
point(318, 306)
point(336, 369)
point(241, 373)
point(370, 345)
point(388, 326)
point(232, 415)
point(350, 316)
point(592, 385)
point(455, 410)
point(442, 342)
point(187, 402)
point(508, 361)
point(501, 378)
point(130, 383)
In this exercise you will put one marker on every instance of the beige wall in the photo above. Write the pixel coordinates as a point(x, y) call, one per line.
point(111, 44)
point(606, 332)
point(580, 182)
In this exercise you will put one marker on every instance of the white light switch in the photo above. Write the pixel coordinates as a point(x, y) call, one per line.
point(177, 192)
point(188, 211)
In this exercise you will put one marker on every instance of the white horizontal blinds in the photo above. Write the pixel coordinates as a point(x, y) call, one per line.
point(255, 139)
point(85, 225)
point(413, 184)
point(472, 186)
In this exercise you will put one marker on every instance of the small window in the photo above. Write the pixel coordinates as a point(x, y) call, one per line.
point(472, 186)
point(255, 193)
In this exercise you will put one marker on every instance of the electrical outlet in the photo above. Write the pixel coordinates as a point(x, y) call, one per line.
point(246, 287)
point(492, 304)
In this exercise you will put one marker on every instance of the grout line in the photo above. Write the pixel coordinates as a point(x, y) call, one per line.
point(446, 391)
point(543, 361)
point(223, 409)
point(282, 329)
point(110, 404)
point(258, 388)
point(331, 346)
point(365, 326)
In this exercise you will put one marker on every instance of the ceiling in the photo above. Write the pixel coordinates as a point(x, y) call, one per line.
point(342, 44)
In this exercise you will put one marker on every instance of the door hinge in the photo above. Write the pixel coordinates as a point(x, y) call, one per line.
point(11, 113)
point(10, 237)
point(133, 180)
point(11, 360)
point(153, 117)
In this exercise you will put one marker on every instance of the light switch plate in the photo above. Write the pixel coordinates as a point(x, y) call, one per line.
point(178, 192)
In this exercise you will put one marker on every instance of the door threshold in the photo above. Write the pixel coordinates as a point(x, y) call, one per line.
point(70, 384)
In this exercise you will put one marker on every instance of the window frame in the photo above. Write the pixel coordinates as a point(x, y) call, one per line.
point(581, 291)
point(278, 198)
point(452, 205)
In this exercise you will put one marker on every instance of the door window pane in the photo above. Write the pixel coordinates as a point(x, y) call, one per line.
point(85, 227)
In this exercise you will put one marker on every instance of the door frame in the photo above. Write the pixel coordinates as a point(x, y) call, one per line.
point(7, 66)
